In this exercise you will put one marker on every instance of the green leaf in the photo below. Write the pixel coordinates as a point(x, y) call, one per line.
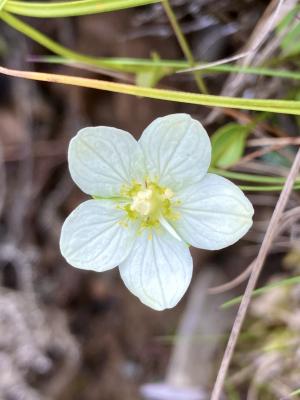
point(228, 144)
point(147, 78)
point(151, 76)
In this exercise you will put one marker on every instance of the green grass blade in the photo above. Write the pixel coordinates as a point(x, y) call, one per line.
point(135, 65)
point(71, 8)
point(255, 71)
point(262, 179)
point(271, 188)
point(276, 106)
point(265, 289)
point(250, 178)
point(45, 41)
point(2, 4)
point(121, 65)
point(295, 393)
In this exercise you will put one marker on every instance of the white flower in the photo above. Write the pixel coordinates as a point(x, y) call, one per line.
point(151, 200)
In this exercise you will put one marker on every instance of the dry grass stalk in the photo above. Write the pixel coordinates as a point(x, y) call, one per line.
point(288, 219)
point(266, 244)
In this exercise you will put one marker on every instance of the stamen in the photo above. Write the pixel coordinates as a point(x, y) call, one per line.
point(150, 203)
point(142, 202)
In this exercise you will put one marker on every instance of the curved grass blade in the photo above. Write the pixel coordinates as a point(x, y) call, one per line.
point(273, 188)
point(250, 178)
point(2, 4)
point(295, 393)
point(276, 106)
point(265, 289)
point(71, 8)
point(135, 65)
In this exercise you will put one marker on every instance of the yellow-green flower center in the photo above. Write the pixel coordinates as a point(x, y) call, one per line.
point(149, 203)
point(152, 201)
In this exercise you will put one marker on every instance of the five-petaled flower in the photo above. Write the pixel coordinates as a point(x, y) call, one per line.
point(152, 199)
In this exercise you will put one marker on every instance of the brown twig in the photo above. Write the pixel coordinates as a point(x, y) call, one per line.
point(242, 117)
point(287, 219)
point(234, 282)
point(285, 141)
point(259, 167)
point(90, 68)
point(2, 181)
point(269, 236)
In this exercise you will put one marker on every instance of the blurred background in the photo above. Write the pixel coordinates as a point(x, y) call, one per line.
point(72, 334)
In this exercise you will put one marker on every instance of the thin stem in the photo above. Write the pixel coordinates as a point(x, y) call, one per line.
point(269, 236)
point(184, 44)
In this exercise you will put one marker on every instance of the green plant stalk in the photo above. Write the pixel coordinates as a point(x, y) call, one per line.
point(184, 45)
point(275, 188)
point(276, 106)
point(135, 65)
point(131, 65)
point(251, 71)
point(249, 178)
point(71, 8)
point(45, 41)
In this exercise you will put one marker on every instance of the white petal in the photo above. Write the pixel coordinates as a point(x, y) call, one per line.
point(177, 150)
point(214, 213)
point(102, 159)
point(93, 238)
point(158, 270)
